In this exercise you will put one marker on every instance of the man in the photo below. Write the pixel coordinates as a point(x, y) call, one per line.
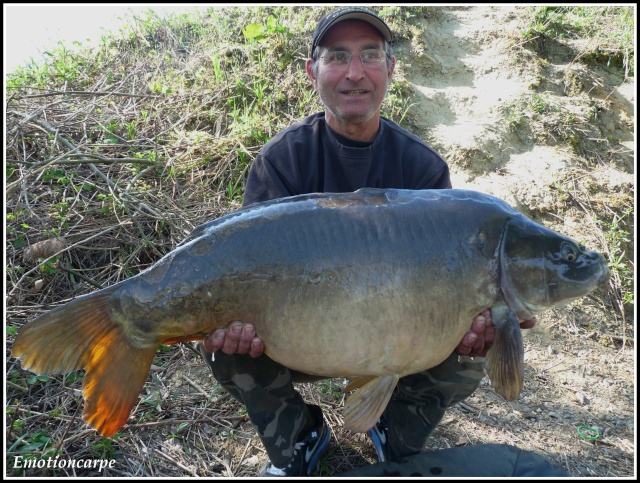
point(347, 147)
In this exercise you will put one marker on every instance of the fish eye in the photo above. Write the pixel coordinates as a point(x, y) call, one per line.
point(568, 252)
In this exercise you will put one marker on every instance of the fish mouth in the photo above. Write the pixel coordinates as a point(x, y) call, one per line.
point(603, 280)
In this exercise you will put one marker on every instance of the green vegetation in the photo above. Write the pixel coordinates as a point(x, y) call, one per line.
point(610, 30)
point(553, 122)
point(618, 240)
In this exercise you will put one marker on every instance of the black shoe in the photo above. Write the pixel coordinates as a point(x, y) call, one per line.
point(378, 435)
point(306, 452)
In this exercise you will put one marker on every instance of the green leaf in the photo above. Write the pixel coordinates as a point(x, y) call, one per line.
point(253, 31)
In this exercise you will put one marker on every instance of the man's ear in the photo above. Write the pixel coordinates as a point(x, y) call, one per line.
point(391, 67)
point(314, 79)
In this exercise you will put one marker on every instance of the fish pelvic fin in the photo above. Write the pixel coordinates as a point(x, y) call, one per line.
point(82, 335)
point(364, 407)
point(505, 360)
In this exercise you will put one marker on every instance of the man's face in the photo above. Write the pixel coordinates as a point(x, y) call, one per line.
point(353, 93)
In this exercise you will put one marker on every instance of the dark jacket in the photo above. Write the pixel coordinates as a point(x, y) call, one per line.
point(309, 157)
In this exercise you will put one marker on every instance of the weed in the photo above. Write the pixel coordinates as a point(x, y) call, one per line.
point(106, 448)
point(618, 238)
point(34, 379)
point(611, 28)
point(29, 443)
point(254, 32)
point(58, 175)
point(234, 192)
point(130, 127)
point(332, 388)
point(72, 377)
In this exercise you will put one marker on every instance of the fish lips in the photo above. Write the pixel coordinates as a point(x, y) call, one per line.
point(602, 279)
point(605, 276)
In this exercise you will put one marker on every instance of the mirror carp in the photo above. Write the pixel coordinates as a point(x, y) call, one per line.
point(372, 286)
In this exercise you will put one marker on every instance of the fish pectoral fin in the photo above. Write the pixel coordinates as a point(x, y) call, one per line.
point(358, 382)
point(82, 335)
point(364, 407)
point(505, 359)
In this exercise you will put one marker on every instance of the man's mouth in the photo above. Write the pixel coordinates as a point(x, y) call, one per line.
point(355, 93)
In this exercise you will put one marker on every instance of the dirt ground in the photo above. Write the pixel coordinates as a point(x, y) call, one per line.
point(467, 71)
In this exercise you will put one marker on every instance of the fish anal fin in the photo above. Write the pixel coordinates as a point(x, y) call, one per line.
point(364, 407)
point(358, 382)
point(505, 359)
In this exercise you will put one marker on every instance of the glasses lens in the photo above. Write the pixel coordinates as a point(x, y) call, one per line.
point(337, 59)
point(372, 57)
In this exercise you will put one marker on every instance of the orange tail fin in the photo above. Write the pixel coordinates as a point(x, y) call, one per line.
point(81, 335)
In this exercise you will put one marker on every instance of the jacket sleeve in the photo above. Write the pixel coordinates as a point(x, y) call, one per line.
point(265, 182)
point(439, 179)
point(425, 175)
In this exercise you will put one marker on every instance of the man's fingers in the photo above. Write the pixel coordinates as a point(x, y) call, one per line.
point(233, 338)
point(215, 341)
point(247, 335)
point(478, 325)
point(257, 347)
point(477, 341)
point(489, 335)
point(467, 343)
point(238, 338)
point(528, 324)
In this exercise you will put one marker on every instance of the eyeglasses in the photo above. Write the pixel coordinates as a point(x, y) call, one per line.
point(341, 58)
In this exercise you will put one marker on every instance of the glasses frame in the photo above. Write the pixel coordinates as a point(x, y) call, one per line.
point(384, 59)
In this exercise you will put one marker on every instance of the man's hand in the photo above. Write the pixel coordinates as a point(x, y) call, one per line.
point(480, 337)
point(237, 338)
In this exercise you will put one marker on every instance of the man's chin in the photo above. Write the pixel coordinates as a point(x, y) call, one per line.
point(350, 117)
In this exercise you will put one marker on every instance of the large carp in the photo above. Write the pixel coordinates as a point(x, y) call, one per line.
point(372, 286)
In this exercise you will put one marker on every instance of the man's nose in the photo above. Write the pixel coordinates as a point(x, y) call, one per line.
point(355, 70)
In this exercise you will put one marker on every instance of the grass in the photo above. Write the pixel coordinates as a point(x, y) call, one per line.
point(554, 121)
point(114, 154)
point(610, 30)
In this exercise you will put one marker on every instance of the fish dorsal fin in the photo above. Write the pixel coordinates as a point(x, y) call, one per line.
point(505, 359)
point(364, 407)
point(82, 335)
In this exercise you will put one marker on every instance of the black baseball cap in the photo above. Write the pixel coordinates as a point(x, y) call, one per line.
point(349, 13)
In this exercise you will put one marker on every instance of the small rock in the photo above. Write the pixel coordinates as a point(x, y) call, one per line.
point(581, 399)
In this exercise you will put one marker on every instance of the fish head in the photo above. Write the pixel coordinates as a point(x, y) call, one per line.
point(540, 268)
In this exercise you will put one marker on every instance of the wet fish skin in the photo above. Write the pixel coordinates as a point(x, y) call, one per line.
point(375, 284)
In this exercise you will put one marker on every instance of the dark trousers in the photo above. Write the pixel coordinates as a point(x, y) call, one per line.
point(279, 413)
